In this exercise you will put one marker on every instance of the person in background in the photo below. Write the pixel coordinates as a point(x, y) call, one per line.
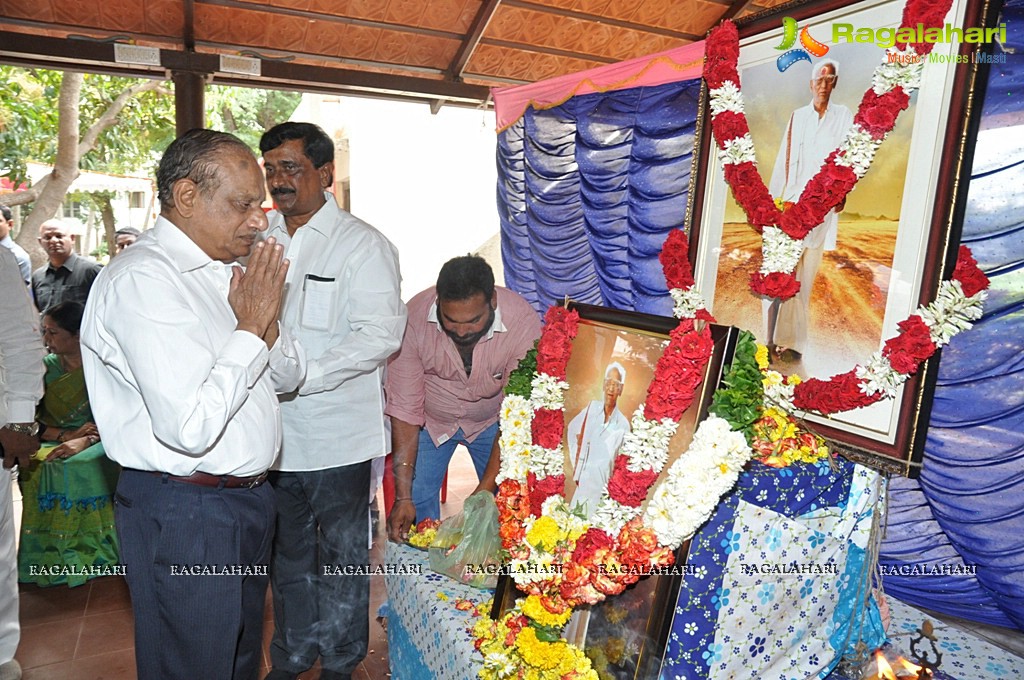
point(344, 306)
point(594, 437)
point(67, 522)
point(67, 276)
point(21, 364)
point(463, 338)
point(24, 262)
point(183, 355)
point(124, 237)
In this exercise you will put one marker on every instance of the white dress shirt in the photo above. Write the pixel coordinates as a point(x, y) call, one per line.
point(24, 261)
point(593, 444)
point(173, 386)
point(343, 304)
point(811, 141)
point(21, 348)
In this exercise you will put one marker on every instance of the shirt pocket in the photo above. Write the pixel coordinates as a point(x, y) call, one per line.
point(319, 302)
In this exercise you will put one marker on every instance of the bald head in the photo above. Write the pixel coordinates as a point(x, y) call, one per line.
point(57, 240)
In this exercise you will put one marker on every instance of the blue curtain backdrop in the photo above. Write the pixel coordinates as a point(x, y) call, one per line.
point(587, 193)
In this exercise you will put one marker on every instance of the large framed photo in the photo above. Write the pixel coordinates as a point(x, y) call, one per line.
point(887, 248)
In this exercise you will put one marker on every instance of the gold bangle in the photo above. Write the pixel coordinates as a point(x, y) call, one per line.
point(401, 464)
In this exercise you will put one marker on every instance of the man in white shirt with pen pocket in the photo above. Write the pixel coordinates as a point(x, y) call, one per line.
point(343, 303)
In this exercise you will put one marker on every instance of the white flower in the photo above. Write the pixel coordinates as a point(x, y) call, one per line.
point(612, 516)
point(901, 68)
point(952, 312)
point(779, 252)
point(696, 482)
point(516, 438)
point(738, 150)
point(857, 150)
point(777, 392)
point(501, 665)
point(646, 445)
point(687, 302)
point(878, 377)
point(546, 462)
point(548, 392)
point(726, 98)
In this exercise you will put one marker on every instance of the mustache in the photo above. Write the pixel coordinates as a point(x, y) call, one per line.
point(281, 191)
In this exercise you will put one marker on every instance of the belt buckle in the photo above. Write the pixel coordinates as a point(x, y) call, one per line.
point(256, 481)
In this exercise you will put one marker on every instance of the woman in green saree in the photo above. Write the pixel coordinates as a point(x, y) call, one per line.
point(67, 524)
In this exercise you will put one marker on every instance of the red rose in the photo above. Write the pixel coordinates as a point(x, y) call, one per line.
point(548, 427)
point(678, 373)
point(841, 393)
point(721, 52)
point(972, 279)
point(751, 194)
point(877, 113)
point(555, 344)
point(912, 346)
point(798, 220)
point(827, 188)
point(774, 285)
point(590, 544)
point(627, 487)
point(541, 490)
point(728, 125)
point(674, 262)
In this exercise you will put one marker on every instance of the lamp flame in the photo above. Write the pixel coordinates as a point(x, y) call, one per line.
point(885, 671)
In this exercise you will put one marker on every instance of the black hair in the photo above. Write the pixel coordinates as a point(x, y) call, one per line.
point(67, 315)
point(463, 277)
point(318, 147)
point(193, 156)
point(128, 230)
point(8, 215)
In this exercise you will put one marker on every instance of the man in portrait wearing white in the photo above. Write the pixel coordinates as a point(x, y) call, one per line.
point(183, 355)
point(812, 133)
point(594, 437)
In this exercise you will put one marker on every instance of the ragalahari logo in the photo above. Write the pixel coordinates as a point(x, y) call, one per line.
point(809, 46)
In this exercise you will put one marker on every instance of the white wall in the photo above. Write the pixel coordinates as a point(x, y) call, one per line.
point(426, 181)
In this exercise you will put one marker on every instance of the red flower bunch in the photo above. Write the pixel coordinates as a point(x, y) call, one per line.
point(826, 190)
point(752, 195)
point(841, 393)
point(911, 347)
point(542, 489)
point(513, 507)
point(774, 285)
point(679, 372)
point(638, 547)
point(674, 260)
point(627, 487)
point(929, 13)
point(555, 344)
point(878, 112)
point(972, 279)
point(728, 125)
point(548, 426)
point(720, 55)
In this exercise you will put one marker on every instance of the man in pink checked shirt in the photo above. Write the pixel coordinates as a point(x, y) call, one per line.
point(463, 338)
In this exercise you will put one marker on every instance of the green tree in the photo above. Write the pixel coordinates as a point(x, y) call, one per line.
point(101, 123)
point(248, 113)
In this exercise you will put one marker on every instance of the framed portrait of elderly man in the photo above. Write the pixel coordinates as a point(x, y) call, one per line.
point(610, 368)
point(804, 70)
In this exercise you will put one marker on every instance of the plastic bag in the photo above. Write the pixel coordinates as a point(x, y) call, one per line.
point(467, 546)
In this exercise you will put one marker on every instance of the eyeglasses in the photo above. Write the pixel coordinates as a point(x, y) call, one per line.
point(827, 79)
point(609, 382)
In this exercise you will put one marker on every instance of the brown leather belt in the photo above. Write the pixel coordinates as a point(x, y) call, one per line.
point(218, 481)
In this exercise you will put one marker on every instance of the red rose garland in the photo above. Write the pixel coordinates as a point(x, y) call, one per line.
point(875, 118)
point(959, 301)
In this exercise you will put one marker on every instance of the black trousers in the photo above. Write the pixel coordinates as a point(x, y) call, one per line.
point(196, 563)
point(322, 526)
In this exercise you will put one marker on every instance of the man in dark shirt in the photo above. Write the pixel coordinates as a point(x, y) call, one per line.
point(66, 277)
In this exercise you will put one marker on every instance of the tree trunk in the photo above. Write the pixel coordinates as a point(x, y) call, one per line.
point(107, 215)
point(64, 172)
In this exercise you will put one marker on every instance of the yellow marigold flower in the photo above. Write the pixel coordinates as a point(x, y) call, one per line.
point(539, 654)
point(793, 379)
point(534, 609)
point(772, 378)
point(545, 533)
point(761, 357)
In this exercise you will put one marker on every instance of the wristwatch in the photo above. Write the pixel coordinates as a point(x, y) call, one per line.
point(31, 429)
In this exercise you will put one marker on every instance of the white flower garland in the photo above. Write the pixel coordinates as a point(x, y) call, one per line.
point(950, 313)
point(780, 253)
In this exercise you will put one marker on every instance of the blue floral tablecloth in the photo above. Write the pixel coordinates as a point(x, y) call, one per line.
point(427, 636)
point(779, 587)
